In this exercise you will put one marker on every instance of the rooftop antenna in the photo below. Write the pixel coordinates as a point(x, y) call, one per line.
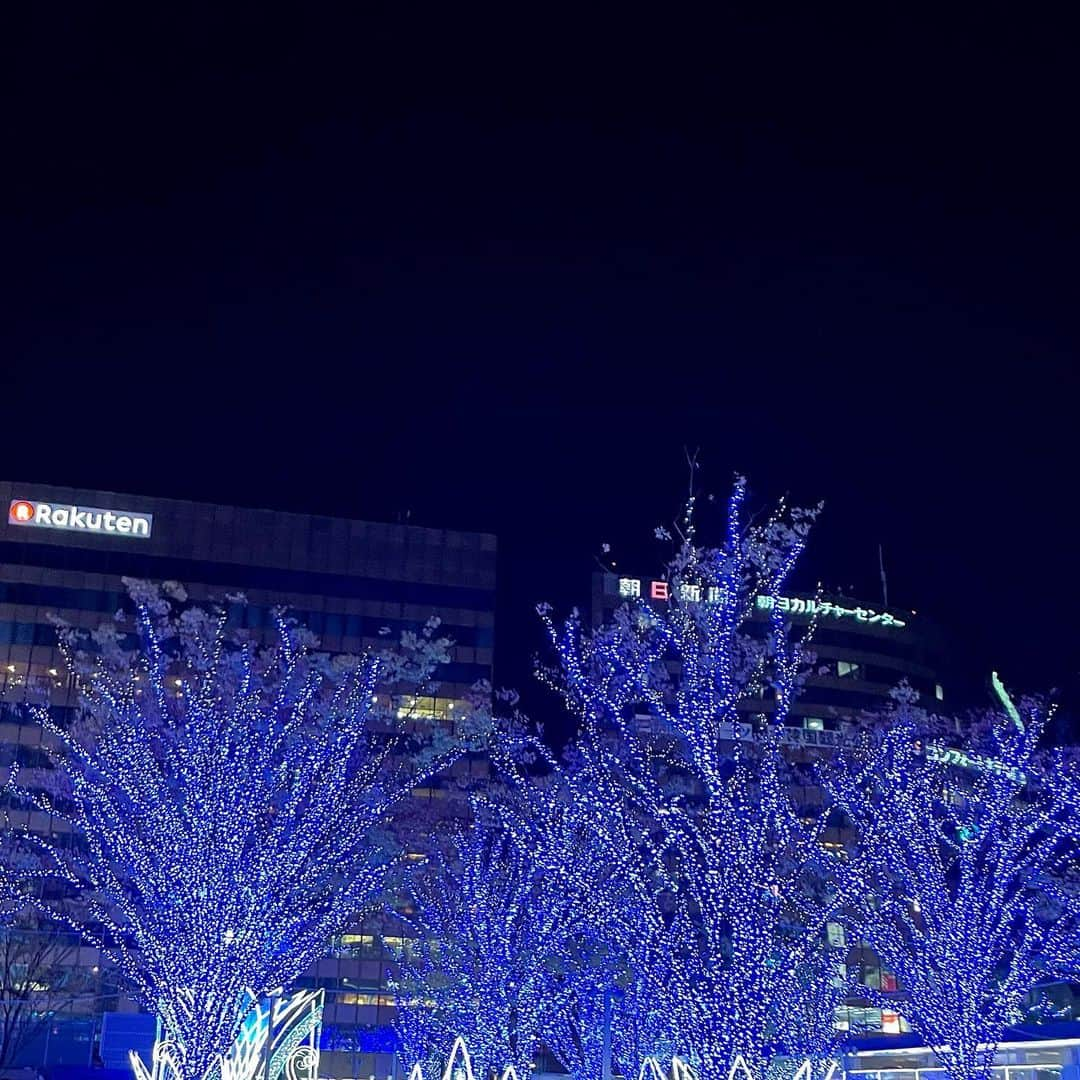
point(884, 579)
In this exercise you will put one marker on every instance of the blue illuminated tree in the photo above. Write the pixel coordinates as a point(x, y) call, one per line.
point(624, 986)
point(683, 704)
point(476, 962)
point(968, 845)
point(230, 798)
point(581, 834)
point(13, 874)
point(508, 918)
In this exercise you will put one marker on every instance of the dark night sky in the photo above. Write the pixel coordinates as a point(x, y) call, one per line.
point(499, 269)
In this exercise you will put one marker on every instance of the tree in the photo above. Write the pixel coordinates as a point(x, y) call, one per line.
point(15, 870)
point(508, 917)
point(683, 704)
point(229, 797)
point(967, 848)
point(39, 978)
point(475, 966)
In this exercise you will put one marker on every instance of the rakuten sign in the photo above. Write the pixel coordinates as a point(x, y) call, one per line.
point(88, 519)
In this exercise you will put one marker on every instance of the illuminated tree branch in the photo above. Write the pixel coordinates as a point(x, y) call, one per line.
point(968, 851)
point(683, 705)
point(230, 800)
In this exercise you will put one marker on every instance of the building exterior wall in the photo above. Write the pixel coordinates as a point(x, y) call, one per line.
point(860, 651)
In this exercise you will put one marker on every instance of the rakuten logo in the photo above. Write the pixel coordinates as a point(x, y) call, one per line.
point(79, 518)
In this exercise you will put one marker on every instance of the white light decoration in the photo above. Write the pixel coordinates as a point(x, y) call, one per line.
point(279, 1037)
point(681, 1070)
point(651, 1070)
point(453, 1070)
point(459, 1066)
point(739, 1070)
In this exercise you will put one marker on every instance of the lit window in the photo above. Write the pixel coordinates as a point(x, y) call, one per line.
point(870, 1019)
point(847, 670)
point(890, 1022)
point(813, 723)
point(939, 693)
point(357, 939)
point(409, 707)
point(367, 999)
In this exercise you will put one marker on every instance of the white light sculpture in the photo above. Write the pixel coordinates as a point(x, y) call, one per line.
point(278, 1040)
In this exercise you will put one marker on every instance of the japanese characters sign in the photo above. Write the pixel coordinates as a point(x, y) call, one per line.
point(636, 588)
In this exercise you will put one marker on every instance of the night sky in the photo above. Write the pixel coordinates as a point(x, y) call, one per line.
point(497, 270)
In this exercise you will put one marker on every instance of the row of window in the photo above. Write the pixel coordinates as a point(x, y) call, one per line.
point(336, 625)
point(43, 635)
point(27, 633)
point(850, 669)
point(245, 576)
point(253, 616)
point(860, 1021)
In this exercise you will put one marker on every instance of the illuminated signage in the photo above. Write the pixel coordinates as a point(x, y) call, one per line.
point(84, 519)
point(947, 755)
point(635, 588)
point(827, 608)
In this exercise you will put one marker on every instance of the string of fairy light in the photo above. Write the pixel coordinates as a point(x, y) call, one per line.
point(666, 875)
point(508, 917)
point(226, 797)
point(970, 871)
point(735, 855)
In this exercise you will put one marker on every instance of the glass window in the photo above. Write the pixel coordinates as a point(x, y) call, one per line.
point(847, 670)
point(939, 693)
point(867, 1020)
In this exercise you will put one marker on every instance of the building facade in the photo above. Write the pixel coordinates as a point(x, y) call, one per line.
point(860, 652)
point(63, 554)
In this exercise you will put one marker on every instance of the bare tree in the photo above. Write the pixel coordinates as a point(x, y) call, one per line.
point(40, 978)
